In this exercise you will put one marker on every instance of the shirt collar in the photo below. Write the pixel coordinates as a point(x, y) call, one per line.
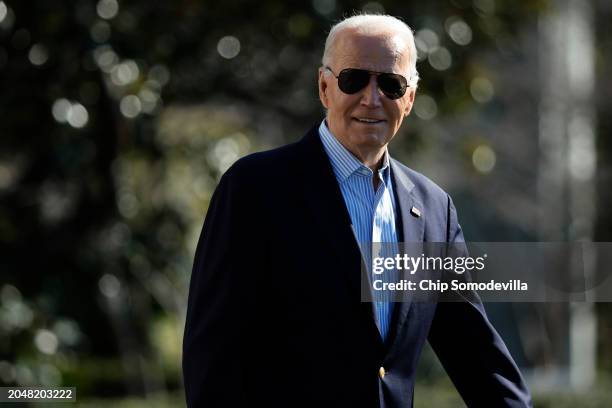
point(343, 162)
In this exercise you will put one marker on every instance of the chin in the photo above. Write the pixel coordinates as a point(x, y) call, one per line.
point(370, 139)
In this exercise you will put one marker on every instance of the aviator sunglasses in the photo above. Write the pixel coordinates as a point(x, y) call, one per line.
point(353, 80)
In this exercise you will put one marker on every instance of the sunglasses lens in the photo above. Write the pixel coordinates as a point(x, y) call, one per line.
point(351, 81)
point(392, 85)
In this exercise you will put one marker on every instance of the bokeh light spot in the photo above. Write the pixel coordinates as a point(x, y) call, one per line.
point(440, 59)
point(67, 331)
point(130, 106)
point(483, 159)
point(228, 47)
point(149, 100)
point(3, 11)
point(458, 30)
point(481, 89)
point(426, 40)
point(9, 294)
point(8, 17)
point(160, 74)
point(77, 116)
point(109, 285)
point(107, 9)
point(125, 73)
point(425, 107)
point(105, 57)
point(46, 341)
point(128, 204)
point(60, 110)
point(224, 153)
point(38, 54)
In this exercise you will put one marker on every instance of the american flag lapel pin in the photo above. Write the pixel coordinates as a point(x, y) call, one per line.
point(415, 211)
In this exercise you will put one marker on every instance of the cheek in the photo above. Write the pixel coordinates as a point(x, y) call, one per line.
point(396, 114)
point(339, 114)
point(343, 108)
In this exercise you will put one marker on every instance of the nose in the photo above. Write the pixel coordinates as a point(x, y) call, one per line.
point(371, 96)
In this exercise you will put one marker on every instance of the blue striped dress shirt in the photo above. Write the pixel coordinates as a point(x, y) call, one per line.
point(372, 212)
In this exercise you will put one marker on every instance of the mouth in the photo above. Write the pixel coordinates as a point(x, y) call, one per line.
point(369, 121)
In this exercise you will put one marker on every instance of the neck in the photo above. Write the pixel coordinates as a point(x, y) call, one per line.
point(370, 158)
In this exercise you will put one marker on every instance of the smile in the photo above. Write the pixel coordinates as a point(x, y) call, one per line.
point(369, 120)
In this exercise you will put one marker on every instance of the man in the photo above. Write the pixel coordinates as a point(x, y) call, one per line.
point(274, 315)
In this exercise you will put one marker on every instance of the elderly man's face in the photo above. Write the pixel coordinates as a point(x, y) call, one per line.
point(350, 116)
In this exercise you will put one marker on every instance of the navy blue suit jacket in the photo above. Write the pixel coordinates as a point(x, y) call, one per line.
point(275, 317)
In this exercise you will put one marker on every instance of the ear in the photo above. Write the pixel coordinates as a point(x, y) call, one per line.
point(409, 101)
point(323, 87)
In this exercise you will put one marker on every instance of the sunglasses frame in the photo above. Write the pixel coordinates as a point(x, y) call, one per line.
point(377, 74)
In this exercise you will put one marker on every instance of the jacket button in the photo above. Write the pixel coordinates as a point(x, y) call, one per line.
point(381, 372)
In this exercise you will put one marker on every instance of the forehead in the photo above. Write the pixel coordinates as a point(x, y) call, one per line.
point(383, 52)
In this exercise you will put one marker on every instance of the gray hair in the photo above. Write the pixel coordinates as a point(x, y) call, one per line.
point(366, 23)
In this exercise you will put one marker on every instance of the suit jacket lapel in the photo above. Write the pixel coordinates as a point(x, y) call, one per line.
point(412, 224)
point(324, 200)
point(412, 231)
